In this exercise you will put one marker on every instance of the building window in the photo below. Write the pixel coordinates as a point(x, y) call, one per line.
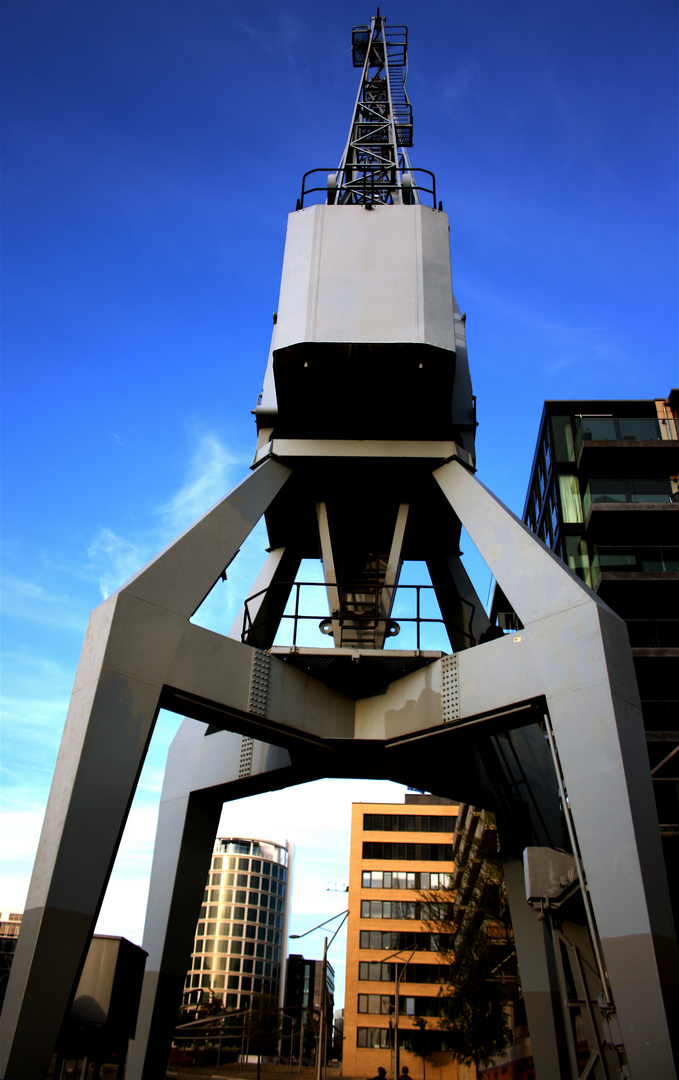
point(408, 823)
point(407, 852)
point(571, 504)
point(374, 1003)
point(415, 973)
point(392, 909)
point(383, 1004)
point(562, 431)
point(376, 1038)
point(552, 511)
point(397, 939)
point(577, 558)
point(375, 972)
point(402, 879)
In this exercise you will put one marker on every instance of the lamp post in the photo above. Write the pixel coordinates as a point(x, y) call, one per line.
point(324, 979)
point(291, 1036)
point(397, 985)
point(321, 1018)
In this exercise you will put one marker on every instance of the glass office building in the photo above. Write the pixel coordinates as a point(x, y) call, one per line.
point(603, 494)
point(240, 941)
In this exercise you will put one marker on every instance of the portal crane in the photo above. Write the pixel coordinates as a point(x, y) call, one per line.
point(365, 458)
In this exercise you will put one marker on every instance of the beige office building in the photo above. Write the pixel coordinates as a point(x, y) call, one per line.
point(398, 852)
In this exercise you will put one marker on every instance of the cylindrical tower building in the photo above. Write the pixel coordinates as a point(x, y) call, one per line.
point(240, 943)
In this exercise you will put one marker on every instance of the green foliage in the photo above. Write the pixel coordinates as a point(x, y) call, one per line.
point(310, 1034)
point(476, 938)
point(472, 1011)
point(421, 1041)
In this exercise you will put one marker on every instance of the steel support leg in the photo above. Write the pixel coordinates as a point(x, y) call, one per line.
point(190, 807)
point(127, 657)
point(184, 841)
point(575, 651)
point(463, 613)
point(270, 593)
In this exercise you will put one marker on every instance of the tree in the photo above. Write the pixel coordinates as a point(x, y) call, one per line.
point(310, 1035)
point(472, 1010)
point(262, 1026)
point(475, 936)
point(422, 1042)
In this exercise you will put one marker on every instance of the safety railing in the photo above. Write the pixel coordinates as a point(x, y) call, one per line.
point(624, 429)
point(299, 613)
point(634, 560)
point(367, 182)
point(627, 491)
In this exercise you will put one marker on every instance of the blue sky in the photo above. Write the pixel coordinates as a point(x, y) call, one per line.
point(151, 153)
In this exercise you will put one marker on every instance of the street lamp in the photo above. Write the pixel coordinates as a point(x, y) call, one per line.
point(397, 986)
point(324, 979)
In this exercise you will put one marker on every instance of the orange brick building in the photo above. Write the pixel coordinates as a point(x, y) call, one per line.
point(399, 851)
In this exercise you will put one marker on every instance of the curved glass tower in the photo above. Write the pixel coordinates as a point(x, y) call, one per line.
point(239, 947)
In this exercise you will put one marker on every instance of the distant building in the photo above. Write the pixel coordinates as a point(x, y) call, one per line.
point(303, 1001)
point(398, 852)
point(10, 922)
point(604, 495)
point(240, 941)
point(338, 1035)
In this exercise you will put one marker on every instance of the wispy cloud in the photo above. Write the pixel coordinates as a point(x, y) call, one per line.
point(29, 589)
point(115, 559)
point(208, 480)
point(30, 601)
point(209, 476)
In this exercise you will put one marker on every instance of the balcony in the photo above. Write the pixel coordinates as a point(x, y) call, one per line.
point(634, 446)
point(642, 585)
point(631, 510)
point(634, 560)
point(639, 595)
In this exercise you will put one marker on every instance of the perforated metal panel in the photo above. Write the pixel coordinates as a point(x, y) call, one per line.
point(450, 692)
point(259, 682)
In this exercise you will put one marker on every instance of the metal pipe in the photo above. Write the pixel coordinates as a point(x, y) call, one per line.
point(578, 864)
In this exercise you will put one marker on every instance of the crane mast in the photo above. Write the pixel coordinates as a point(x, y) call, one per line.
point(374, 165)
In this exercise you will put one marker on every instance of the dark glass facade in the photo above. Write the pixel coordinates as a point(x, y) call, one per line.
point(604, 495)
